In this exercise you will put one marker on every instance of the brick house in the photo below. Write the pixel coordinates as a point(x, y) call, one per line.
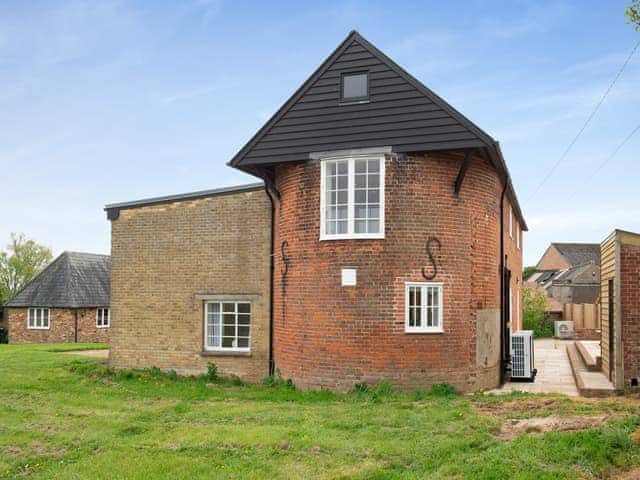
point(620, 308)
point(65, 303)
point(384, 244)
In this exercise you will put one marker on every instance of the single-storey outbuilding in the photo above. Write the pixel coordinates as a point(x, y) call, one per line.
point(67, 302)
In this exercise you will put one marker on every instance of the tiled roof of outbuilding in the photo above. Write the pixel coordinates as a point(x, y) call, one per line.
point(72, 280)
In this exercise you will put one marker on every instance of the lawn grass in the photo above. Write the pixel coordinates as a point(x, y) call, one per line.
point(64, 416)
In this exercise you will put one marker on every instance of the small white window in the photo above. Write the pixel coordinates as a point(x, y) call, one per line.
point(423, 307)
point(227, 326)
point(355, 87)
point(38, 319)
point(102, 318)
point(352, 198)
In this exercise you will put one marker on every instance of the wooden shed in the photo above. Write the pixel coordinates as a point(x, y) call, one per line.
point(620, 308)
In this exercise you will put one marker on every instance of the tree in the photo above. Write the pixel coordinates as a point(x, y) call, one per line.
point(24, 260)
point(534, 303)
point(633, 13)
point(528, 271)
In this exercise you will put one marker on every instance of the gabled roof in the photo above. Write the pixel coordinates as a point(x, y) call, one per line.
point(72, 280)
point(579, 253)
point(401, 113)
point(314, 112)
point(587, 273)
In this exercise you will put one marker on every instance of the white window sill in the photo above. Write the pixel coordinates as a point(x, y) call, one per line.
point(353, 236)
point(38, 328)
point(423, 330)
point(231, 352)
point(103, 326)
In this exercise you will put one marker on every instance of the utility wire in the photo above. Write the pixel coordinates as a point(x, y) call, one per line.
point(608, 159)
point(586, 123)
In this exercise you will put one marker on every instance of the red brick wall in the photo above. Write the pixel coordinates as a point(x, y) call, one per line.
point(61, 327)
point(333, 336)
point(630, 315)
point(514, 263)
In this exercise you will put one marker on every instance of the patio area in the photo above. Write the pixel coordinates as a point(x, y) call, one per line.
point(554, 370)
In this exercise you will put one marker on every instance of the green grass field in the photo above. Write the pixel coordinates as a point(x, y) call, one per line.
point(65, 416)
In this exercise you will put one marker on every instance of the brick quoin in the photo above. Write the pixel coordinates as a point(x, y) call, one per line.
point(327, 335)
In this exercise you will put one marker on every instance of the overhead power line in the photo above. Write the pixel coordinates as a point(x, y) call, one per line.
point(586, 123)
point(609, 158)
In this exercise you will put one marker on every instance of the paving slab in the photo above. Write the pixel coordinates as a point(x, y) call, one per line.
point(554, 370)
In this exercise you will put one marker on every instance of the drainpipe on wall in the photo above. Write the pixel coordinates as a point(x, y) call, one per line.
point(503, 331)
point(270, 191)
point(76, 326)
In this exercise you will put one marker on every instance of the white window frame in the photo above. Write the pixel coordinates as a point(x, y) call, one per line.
point(101, 317)
point(424, 329)
point(510, 221)
point(211, 348)
point(35, 310)
point(351, 200)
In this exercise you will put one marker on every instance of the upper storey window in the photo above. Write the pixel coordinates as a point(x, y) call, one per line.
point(355, 87)
point(352, 198)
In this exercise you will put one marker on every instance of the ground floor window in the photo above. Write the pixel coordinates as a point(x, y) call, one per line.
point(102, 318)
point(227, 325)
point(38, 318)
point(423, 307)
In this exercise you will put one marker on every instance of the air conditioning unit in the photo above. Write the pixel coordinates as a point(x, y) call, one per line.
point(522, 356)
point(563, 329)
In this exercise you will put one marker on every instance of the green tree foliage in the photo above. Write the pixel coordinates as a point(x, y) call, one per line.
point(22, 261)
point(528, 271)
point(534, 303)
point(633, 13)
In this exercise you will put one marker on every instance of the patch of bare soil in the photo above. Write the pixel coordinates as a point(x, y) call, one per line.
point(630, 475)
point(565, 423)
point(12, 451)
point(41, 449)
point(89, 353)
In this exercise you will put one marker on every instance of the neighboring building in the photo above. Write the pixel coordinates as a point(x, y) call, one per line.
point(620, 309)
point(67, 302)
point(388, 246)
point(569, 273)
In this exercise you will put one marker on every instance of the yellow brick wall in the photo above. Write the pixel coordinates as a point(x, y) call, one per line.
point(165, 257)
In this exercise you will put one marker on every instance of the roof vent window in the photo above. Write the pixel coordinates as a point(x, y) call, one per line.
point(355, 87)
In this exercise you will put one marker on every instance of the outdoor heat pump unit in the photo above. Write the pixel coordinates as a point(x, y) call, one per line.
point(522, 368)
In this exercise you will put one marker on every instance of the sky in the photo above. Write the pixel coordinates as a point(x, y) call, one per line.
point(110, 101)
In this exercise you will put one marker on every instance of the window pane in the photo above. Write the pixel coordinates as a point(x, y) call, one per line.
point(374, 166)
point(229, 330)
point(360, 211)
point(244, 319)
point(343, 212)
point(342, 226)
point(354, 86)
point(244, 308)
point(361, 196)
point(374, 226)
point(361, 166)
point(343, 197)
point(228, 307)
point(374, 212)
point(374, 180)
point(331, 228)
point(360, 181)
point(331, 168)
point(360, 226)
point(227, 342)
point(373, 196)
point(343, 167)
point(243, 343)
point(243, 331)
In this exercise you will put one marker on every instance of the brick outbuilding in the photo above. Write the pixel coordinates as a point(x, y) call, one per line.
point(65, 303)
point(389, 243)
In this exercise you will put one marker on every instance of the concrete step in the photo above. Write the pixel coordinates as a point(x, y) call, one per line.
point(591, 361)
point(589, 383)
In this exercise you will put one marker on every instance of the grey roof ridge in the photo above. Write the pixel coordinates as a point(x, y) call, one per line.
point(184, 196)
